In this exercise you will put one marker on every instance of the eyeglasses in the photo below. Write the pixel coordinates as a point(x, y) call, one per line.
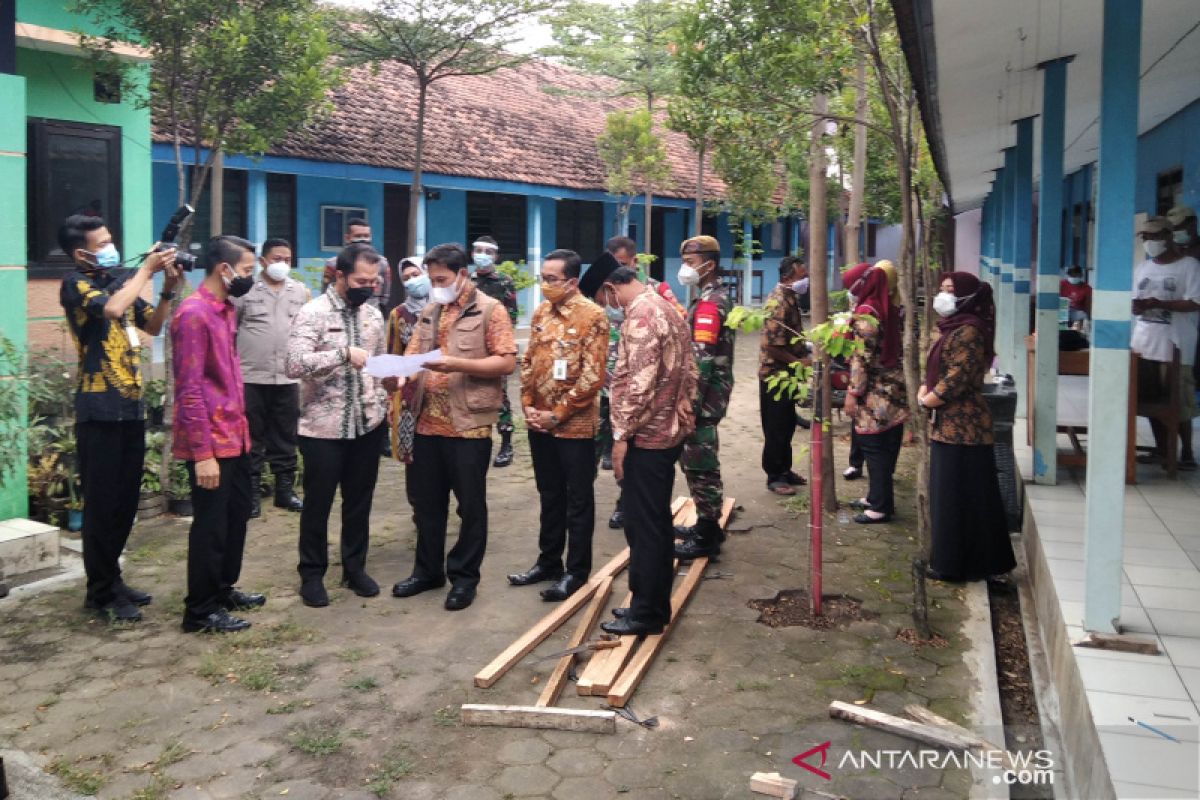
point(551, 280)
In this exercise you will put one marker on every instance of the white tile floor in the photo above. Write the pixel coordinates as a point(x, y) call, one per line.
point(1160, 596)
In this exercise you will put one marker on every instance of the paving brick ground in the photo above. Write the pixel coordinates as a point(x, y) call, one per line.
point(361, 699)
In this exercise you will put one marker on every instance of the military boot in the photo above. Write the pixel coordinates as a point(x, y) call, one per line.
point(505, 455)
point(285, 493)
point(705, 541)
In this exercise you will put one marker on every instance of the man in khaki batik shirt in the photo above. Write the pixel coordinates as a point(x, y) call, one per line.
point(561, 377)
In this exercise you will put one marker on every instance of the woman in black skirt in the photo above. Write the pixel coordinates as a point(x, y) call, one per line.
point(970, 531)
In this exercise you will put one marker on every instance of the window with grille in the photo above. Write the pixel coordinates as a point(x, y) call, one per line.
point(501, 216)
point(580, 227)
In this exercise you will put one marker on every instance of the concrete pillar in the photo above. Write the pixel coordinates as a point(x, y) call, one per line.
point(14, 322)
point(419, 248)
point(256, 207)
point(1108, 391)
point(533, 257)
point(1050, 253)
point(1008, 240)
point(1022, 256)
point(747, 263)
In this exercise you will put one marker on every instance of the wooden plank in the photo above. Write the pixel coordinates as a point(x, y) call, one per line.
point(558, 678)
point(727, 511)
point(548, 624)
point(636, 669)
point(773, 784)
point(687, 515)
point(922, 714)
point(599, 668)
point(677, 504)
point(1120, 643)
point(543, 718)
point(937, 736)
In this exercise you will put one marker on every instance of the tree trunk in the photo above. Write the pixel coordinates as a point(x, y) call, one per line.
point(216, 197)
point(698, 223)
point(646, 224)
point(416, 191)
point(818, 276)
point(858, 181)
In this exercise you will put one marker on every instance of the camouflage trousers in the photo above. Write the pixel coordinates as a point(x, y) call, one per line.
point(505, 424)
point(701, 464)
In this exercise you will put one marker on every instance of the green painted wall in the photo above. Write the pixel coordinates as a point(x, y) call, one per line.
point(51, 14)
point(61, 87)
point(14, 497)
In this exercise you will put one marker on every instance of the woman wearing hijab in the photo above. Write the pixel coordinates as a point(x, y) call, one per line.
point(399, 330)
point(876, 400)
point(970, 532)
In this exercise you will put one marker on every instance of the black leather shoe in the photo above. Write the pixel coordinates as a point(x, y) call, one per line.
point(505, 456)
point(535, 574)
point(566, 586)
point(255, 507)
point(413, 585)
point(289, 502)
point(617, 520)
point(264, 489)
point(216, 622)
point(361, 584)
point(705, 541)
point(237, 600)
point(132, 595)
point(628, 627)
point(796, 480)
point(620, 612)
point(459, 598)
point(852, 473)
point(313, 594)
point(866, 519)
point(118, 610)
point(685, 532)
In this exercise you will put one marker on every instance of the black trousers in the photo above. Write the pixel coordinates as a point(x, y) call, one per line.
point(273, 411)
point(881, 451)
point(649, 478)
point(565, 472)
point(218, 536)
point(330, 464)
point(441, 465)
point(856, 453)
point(969, 525)
point(778, 426)
point(110, 455)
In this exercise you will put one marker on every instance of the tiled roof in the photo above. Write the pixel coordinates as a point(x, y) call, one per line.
point(504, 126)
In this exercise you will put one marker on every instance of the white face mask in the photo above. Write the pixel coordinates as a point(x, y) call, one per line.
point(688, 276)
point(1154, 247)
point(800, 286)
point(444, 295)
point(1074, 280)
point(277, 270)
point(945, 304)
point(1182, 237)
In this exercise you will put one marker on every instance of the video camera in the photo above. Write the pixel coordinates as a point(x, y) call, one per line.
point(185, 261)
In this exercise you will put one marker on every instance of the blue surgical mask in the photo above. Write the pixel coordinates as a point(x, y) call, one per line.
point(418, 287)
point(107, 257)
point(615, 315)
point(483, 260)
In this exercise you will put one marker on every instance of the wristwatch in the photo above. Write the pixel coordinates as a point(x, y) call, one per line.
point(167, 295)
point(554, 419)
point(618, 436)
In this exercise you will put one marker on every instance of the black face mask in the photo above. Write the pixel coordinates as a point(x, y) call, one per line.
point(240, 285)
point(356, 296)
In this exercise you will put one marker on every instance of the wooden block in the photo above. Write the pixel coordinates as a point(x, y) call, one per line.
point(677, 504)
point(558, 678)
point(606, 664)
point(687, 515)
point(727, 511)
point(555, 719)
point(1120, 643)
point(922, 714)
point(773, 784)
point(548, 624)
point(636, 669)
point(937, 736)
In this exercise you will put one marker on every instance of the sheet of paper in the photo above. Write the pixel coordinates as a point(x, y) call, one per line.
point(389, 366)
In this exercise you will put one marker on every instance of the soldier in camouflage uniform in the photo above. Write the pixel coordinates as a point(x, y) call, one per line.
point(495, 284)
point(713, 344)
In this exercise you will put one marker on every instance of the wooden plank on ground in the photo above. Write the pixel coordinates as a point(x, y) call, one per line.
point(727, 511)
point(773, 784)
point(558, 678)
point(541, 717)
point(687, 515)
point(600, 666)
point(548, 624)
point(636, 669)
point(677, 504)
point(936, 735)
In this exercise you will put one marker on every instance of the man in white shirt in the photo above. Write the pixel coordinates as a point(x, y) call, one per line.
point(1167, 304)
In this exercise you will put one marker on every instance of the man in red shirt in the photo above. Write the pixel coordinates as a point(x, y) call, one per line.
point(1078, 293)
point(212, 436)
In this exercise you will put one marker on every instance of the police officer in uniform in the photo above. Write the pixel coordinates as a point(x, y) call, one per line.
point(713, 345)
point(495, 284)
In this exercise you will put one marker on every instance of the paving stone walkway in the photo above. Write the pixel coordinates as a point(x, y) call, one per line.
point(360, 699)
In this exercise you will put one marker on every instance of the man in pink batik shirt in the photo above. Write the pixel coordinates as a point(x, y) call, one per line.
point(213, 438)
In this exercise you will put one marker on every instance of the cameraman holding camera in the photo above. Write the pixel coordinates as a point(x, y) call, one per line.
point(105, 311)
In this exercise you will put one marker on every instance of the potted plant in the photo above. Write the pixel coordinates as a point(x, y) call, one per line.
point(156, 392)
point(179, 492)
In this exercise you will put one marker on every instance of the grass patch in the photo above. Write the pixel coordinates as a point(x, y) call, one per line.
point(247, 659)
point(352, 655)
point(753, 686)
point(393, 768)
point(76, 778)
point(290, 707)
point(319, 739)
point(364, 684)
point(173, 753)
point(446, 716)
point(158, 789)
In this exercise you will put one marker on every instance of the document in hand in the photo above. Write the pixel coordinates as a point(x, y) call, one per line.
point(389, 366)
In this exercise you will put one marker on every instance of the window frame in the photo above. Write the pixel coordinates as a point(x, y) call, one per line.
point(348, 213)
point(40, 224)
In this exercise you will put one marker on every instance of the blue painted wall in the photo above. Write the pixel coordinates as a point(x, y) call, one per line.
point(313, 192)
point(1169, 145)
point(446, 218)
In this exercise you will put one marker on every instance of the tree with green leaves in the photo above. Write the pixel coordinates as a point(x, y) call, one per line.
point(436, 40)
point(635, 160)
point(629, 43)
